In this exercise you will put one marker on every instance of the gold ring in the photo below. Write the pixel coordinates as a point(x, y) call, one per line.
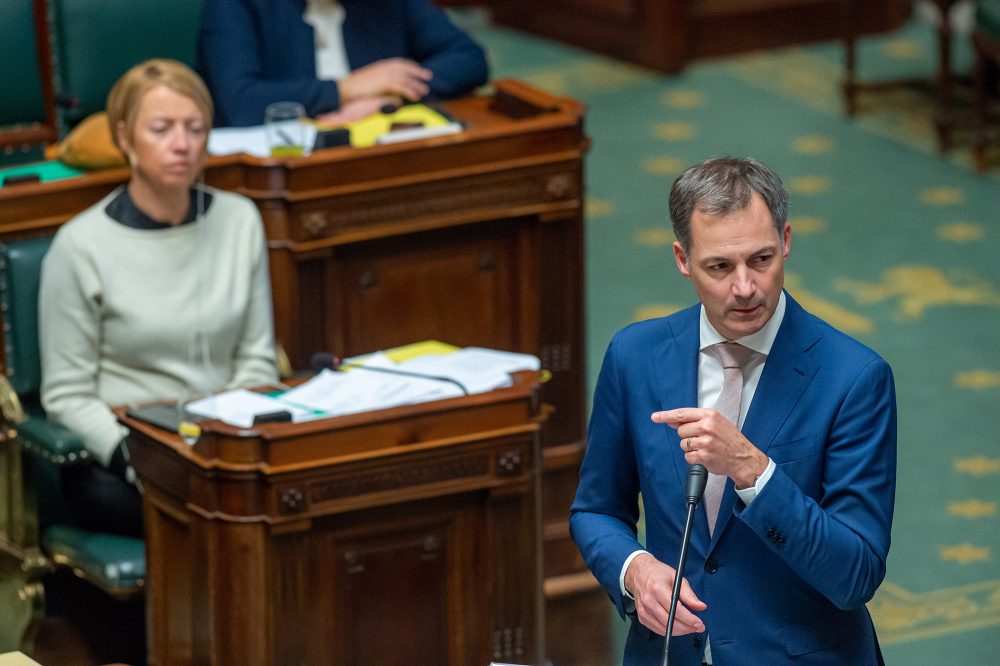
point(687, 444)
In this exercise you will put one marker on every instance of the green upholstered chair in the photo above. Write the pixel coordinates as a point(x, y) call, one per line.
point(97, 42)
point(986, 42)
point(114, 563)
point(27, 111)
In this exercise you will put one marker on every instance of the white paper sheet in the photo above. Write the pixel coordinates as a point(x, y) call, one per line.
point(239, 407)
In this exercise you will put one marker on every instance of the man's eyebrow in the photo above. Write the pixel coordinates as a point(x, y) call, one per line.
point(714, 259)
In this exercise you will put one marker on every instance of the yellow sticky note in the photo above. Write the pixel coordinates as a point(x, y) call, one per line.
point(418, 349)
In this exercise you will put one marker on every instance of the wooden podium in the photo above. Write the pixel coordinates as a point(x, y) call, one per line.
point(403, 536)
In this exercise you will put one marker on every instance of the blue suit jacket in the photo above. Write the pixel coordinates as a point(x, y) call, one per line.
point(788, 577)
point(254, 52)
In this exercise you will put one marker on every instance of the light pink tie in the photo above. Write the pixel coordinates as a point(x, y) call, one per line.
point(733, 357)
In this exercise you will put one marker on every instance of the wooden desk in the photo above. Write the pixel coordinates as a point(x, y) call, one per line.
point(404, 536)
point(669, 34)
point(472, 239)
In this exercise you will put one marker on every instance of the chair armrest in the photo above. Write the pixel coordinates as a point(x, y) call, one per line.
point(51, 441)
point(116, 564)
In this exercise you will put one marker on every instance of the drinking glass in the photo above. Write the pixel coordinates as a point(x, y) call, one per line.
point(286, 129)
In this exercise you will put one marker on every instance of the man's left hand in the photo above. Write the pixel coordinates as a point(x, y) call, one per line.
point(710, 439)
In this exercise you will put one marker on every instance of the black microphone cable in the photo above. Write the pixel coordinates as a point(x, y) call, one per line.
point(694, 489)
point(328, 361)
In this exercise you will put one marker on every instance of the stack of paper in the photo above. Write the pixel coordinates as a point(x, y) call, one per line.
point(375, 382)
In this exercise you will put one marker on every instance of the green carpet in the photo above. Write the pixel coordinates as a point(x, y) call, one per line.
point(891, 243)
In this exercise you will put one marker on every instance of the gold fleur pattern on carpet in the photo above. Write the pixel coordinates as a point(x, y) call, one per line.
point(813, 145)
point(978, 466)
point(683, 99)
point(653, 311)
point(900, 615)
point(608, 74)
point(599, 207)
point(675, 131)
point(918, 288)
point(972, 509)
point(977, 379)
point(596, 75)
point(942, 196)
point(796, 74)
point(664, 166)
point(964, 553)
point(809, 185)
point(830, 312)
point(902, 49)
point(657, 237)
point(807, 225)
point(960, 232)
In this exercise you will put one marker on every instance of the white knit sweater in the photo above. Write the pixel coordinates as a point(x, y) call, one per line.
point(129, 315)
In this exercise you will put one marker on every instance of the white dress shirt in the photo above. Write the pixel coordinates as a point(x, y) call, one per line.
point(327, 20)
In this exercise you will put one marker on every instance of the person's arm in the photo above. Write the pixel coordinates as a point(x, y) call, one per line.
point(457, 62)
point(840, 543)
point(231, 54)
point(69, 342)
point(605, 510)
point(254, 357)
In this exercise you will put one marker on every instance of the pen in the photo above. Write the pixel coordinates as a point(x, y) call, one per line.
point(284, 137)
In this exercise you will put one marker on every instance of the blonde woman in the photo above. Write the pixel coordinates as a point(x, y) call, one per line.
point(159, 291)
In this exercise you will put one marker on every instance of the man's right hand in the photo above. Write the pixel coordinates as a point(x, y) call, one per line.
point(651, 583)
point(392, 76)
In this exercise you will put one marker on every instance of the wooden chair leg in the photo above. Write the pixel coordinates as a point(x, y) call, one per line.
point(979, 123)
point(944, 111)
point(851, 15)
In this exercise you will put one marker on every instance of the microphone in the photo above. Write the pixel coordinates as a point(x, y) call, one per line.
point(328, 361)
point(694, 490)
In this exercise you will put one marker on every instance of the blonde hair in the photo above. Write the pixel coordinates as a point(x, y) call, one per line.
point(127, 93)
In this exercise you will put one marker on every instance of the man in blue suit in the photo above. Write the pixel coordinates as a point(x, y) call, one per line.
point(255, 52)
point(805, 474)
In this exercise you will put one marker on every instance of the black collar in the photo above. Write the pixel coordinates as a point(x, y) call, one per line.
point(124, 211)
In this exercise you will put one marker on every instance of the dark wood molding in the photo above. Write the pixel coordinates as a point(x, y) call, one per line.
point(668, 34)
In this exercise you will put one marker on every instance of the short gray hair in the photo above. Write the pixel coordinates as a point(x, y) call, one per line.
point(724, 185)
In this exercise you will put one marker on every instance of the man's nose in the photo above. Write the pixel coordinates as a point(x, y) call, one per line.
point(743, 284)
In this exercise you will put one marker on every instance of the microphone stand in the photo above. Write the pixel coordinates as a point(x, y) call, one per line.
point(404, 373)
point(694, 489)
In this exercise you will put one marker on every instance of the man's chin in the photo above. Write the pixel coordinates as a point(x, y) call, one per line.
point(742, 324)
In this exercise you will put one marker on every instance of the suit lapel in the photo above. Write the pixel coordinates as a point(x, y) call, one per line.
point(675, 373)
point(789, 369)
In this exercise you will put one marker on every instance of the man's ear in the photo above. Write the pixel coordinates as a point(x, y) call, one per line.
point(682, 260)
point(787, 241)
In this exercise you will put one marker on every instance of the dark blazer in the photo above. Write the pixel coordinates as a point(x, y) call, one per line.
point(254, 52)
point(786, 578)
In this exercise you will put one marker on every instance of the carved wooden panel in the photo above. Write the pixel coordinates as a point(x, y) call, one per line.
point(458, 286)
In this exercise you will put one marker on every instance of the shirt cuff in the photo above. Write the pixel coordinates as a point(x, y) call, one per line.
point(621, 577)
point(748, 495)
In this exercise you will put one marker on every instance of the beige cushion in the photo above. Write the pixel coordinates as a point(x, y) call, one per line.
point(88, 146)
